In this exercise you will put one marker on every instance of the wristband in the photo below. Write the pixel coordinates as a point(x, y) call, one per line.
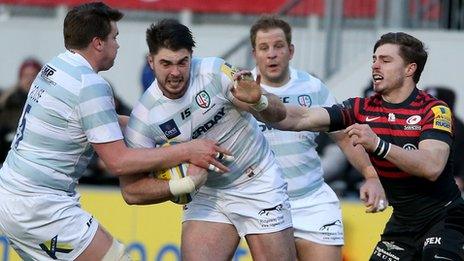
point(382, 149)
point(181, 186)
point(261, 105)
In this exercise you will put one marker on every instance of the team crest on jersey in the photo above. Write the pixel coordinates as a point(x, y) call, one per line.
point(170, 129)
point(203, 100)
point(442, 119)
point(304, 100)
point(391, 117)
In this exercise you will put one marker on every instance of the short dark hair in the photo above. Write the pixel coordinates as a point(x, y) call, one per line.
point(267, 22)
point(170, 34)
point(412, 50)
point(86, 21)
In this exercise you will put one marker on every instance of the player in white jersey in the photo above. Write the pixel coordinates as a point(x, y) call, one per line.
point(193, 98)
point(316, 213)
point(68, 114)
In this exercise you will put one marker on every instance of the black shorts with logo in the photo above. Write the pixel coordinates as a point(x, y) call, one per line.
point(444, 240)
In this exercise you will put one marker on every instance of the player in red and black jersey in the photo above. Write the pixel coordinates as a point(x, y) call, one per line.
point(408, 135)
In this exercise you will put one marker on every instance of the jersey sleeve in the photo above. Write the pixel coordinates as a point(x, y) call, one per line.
point(226, 75)
point(341, 115)
point(97, 111)
point(438, 124)
point(138, 133)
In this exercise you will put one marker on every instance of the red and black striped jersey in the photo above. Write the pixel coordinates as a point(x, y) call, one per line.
point(419, 117)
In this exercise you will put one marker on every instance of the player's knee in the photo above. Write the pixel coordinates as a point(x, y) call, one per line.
point(116, 252)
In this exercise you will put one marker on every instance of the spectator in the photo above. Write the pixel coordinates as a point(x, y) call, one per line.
point(12, 103)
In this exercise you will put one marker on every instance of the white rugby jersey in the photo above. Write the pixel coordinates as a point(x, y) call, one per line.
point(205, 111)
point(296, 151)
point(68, 107)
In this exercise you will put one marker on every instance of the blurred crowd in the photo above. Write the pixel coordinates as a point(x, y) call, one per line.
point(339, 174)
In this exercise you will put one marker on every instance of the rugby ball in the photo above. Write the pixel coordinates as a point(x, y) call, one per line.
point(174, 173)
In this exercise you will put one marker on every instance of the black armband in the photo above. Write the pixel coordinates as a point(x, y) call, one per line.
point(382, 149)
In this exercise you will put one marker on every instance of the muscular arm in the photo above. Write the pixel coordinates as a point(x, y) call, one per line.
point(427, 162)
point(299, 118)
point(274, 112)
point(121, 160)
point(143, 189)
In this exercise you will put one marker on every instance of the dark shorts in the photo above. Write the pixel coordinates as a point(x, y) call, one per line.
point(444, 240)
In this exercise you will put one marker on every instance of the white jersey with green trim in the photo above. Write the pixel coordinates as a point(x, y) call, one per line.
point(68, 107)
point(296, 151)
point(204, 111)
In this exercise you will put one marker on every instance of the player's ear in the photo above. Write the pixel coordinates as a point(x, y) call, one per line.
point(151, 61)
point(97, 43)
point(292, 50)
point(411, 69)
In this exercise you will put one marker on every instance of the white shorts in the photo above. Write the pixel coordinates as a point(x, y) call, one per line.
point(257, 206)
point(46, 227)
point(318, 217)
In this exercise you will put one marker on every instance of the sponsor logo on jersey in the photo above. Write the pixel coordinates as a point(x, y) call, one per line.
point(52, 246)
point(443, 118)
point(327, 226)
point(304, 100)
point(413, 127)
point(409, 146)
point(412, 123)
point(46, 74)
point(228, 70)
point(209, 124)
point(203, 100)
point(414, 119)
point(170, 129)
point(264, 127)
point(284, 99)
point(89, 222)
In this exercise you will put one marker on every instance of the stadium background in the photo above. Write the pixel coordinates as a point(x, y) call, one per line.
point(333, 38)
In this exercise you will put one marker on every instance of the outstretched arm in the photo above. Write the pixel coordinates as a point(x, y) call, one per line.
point(371, 192)
point(249, 97)
point(121, 160)
point(300, 118)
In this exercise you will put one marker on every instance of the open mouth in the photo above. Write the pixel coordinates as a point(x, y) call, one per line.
point(377, 78)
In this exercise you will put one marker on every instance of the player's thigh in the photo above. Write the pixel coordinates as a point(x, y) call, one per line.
point(205, 240)
point(272, 246)
point(307, 251)
point(446, 238)
point(98, 247)
point(46, 227)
